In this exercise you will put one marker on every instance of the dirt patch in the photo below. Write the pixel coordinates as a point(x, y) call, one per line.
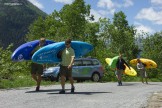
point(155, 100)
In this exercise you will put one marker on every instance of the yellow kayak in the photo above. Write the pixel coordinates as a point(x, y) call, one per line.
point(108, 60)
point(130, 72)
point(148, 62)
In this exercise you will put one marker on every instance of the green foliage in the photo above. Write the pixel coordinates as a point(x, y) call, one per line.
point(74, 18)
point(8, 68)
point(20, 80)
point(68, 23)
point(109, 75)
point(152, 50)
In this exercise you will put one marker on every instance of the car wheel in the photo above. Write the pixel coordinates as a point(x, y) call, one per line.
point(95, 77)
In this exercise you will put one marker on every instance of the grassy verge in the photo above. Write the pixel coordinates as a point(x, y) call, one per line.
point(21, 81)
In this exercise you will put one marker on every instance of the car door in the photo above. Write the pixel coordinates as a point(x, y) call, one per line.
point(75, 70)
point(85, 69)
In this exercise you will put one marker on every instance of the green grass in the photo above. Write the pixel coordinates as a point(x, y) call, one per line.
point(21, 81)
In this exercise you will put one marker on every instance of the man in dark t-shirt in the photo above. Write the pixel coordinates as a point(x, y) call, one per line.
point(120, 67)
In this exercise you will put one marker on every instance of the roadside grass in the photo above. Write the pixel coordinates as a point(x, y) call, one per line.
point(21, 80)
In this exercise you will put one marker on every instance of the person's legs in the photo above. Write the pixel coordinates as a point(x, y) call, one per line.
point(69, 74)
point(146, 80)
point(62, 74)
point(72, 84)
point(37, 71)
point(63, 82)
point(119, 77)
point(39, 79)
point(146, 77)
point(142, 80)
point(33, 71)
point(34, 76)
point(142, 76)
point(71, 81)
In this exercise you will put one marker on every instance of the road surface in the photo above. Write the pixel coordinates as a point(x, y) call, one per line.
point(87, 95)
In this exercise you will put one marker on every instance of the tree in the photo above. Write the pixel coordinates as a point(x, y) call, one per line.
point(74, 19)
point(122, 36)
point(36, 30)
point(69, 22)
point(152, 49)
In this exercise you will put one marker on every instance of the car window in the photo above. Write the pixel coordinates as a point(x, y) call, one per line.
point(50, 69)
point(77, 63)
point(87, 62)
point(95, 62)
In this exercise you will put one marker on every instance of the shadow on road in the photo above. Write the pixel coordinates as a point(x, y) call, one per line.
point(154, 84)
point(51, 90)
point(82, 93)
point(128, 84)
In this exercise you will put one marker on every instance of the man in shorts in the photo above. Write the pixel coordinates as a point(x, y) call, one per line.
point(37, 69)
point(67, 57)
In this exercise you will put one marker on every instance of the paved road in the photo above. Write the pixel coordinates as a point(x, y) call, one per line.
point(87, 95)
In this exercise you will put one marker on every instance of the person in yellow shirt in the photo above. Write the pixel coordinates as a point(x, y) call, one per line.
point(67, 57)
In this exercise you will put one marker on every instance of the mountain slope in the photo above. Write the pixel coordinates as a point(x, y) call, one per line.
point(15, 18)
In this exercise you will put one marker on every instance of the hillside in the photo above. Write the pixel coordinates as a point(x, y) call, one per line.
point(15, 18)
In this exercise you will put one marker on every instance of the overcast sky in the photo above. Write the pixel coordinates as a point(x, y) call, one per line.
point(145, 15)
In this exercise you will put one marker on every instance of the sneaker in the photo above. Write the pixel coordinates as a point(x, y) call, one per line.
point(37, 88)
point(120, 83)
point(62, 92)
point(72, 89)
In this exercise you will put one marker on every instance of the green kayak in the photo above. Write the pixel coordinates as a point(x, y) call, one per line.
point(113, 62)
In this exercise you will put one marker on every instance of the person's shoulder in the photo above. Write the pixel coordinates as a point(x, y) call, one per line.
point(122, 59)
point(144, 64)
point(71, 48)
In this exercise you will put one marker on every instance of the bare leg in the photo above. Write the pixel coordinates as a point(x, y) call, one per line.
point(146, 77)
point(142, 80)
point(34, 77)
point(39, 78)
point(119, 79)
point(63, 82)
point(71, 82)
point(146, 80)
